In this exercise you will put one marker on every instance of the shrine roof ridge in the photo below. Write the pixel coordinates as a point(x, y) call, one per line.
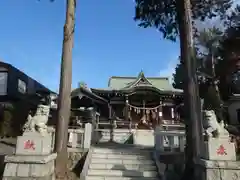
point(134, 77)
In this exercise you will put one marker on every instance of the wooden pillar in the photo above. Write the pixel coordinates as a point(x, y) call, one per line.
point(97, 120)
point(109, 111)
point(127, 113)
point(176, 115)
point(110, 118)
point(172, 114)
point(111, 122)
point(160, 113)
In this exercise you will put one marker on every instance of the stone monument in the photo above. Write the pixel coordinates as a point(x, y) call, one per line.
point(33, 159)
point(218, 155)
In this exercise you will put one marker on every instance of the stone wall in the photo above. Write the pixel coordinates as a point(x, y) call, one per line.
point(76, 159)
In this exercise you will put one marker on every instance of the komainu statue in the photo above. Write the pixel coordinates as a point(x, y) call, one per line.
point(37, 123)
point(212, 128)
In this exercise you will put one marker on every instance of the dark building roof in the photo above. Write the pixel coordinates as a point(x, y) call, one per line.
point(36, 85)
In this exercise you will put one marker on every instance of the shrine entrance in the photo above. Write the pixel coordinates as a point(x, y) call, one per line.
point(149, 108)
point(143, 117)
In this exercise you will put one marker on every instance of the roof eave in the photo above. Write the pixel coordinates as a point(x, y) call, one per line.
point(160, 91)
point(89, 94)
point(135, 88)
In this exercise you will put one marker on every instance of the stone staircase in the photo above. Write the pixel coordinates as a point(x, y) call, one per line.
point(121, 162)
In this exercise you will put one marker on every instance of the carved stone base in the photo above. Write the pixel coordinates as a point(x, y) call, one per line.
point(29, 167)
point(218, 149)
point(217, 170)
point(33, 143)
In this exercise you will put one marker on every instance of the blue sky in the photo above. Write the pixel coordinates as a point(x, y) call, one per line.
point(107, 41)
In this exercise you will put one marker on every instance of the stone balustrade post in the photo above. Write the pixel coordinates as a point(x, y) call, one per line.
point(171, 142)
point(87, 136)
point(181, 143)
point(158, 139)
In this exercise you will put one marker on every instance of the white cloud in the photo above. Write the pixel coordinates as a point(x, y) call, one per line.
point(169, 69)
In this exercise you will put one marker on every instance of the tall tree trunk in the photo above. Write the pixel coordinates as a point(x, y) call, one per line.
point(191, 98)
point(214, 75)
point(64, 103)
point(219, 108)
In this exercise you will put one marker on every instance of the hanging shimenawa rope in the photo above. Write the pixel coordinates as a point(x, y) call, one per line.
point(143, 108)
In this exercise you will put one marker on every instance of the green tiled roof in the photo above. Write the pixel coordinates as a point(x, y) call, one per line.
point(161, 83)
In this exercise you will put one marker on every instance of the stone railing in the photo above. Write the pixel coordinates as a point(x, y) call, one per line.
point(115, 124)
point(77, 137)
point(169, 140)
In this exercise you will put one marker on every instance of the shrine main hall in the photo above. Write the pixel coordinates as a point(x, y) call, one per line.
point(132, 102)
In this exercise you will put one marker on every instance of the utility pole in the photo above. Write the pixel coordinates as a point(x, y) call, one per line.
point(64, 103)
point(191, 97)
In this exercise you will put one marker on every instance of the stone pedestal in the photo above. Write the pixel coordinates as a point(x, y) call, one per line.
point(33, 143)
point(219, 149)
point(30, 167)
point(33, 159)
point(218, 160)
point(218, 170)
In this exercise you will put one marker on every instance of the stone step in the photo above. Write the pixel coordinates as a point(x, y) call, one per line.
point(122, 156)
point(119, 137)
point(144, 154)
point(122, 146)
point(114, 139)
point(136, 167)
point(125, 173)
point(119, 178)
point(121, 161)
point(115, 133)
point(121, 151)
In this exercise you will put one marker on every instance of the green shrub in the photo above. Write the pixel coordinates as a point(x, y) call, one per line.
point(5, 126)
